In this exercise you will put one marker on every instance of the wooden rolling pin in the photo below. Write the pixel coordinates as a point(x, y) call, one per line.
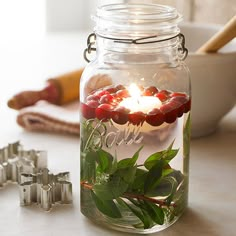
point(221, 38)
point(59, 90)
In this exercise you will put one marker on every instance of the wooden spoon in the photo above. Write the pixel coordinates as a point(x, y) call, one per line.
point(221, 38)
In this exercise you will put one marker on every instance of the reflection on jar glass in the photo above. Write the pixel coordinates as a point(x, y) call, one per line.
point(135, 119)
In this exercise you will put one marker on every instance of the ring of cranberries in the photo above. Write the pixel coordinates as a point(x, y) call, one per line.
point(104, 105)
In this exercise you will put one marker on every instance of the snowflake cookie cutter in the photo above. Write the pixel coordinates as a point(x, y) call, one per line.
point(45, 189)
point(14, 160)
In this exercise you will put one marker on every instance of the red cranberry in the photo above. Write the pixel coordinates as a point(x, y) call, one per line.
point(123, 93)
point(101, 93)
point(88, 110)
point(178, 95)
point(150, 91)
point(169, 112)
point(107, 98)
point(178, 104)
point(120, 115)
point(104, 112)
point(117, 99)
point(155, 117)
point(111, 90)
point(163, 95)
point(166, 92)
point(93, 98)
point(137, 118)
point(184, 101)
point(93, 104)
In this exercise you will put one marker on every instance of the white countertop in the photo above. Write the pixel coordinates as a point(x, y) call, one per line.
point(212, 197)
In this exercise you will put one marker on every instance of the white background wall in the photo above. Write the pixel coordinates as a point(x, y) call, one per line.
point(64, 15)
point(75, 14)
point(30, 19)
point(218, 11)
point(67, 14)
point(22, 19)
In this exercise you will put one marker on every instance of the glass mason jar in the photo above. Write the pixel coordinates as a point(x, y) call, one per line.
point(135, 119)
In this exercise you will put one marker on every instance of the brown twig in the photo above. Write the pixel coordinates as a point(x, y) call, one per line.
point(86, 185)
point(132, 195)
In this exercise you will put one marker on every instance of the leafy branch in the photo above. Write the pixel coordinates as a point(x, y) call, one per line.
point(146, 190)
point(132, 196)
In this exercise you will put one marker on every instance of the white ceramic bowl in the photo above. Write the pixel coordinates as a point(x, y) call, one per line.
point(213, 78)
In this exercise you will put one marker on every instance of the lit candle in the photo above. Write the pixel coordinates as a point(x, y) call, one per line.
point(136, 102)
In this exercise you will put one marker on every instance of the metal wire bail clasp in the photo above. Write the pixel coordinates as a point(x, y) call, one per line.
point(91, 41)
point(183, 51)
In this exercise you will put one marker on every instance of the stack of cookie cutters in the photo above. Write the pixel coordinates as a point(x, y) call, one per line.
point(14, 161)
point(45, 189)
point(29, 170)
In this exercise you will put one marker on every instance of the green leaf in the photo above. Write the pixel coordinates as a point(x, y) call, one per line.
point(153, 176)
point(103, 191)
point(104, 160)
point(127, 174)
point(134, 202)
point(147, 223)
point(107, 207)
point(136, 154)
point(112, 189)
point(124, 163)
point(170, 153)
point(139, 180)
point(129, 162)
point(167, 155)
point(156, 213)
point(153, 159)
point(88, 166)
point(166, 172)
point(121, 202)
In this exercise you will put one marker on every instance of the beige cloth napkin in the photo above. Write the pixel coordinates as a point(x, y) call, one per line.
point(46, 117)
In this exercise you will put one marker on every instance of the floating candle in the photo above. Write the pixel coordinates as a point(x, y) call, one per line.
point(137, 103)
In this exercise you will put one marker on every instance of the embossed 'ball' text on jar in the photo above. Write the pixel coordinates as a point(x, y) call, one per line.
point(135, 119)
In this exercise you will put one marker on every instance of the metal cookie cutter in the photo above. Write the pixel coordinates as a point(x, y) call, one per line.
point(45, 189)
point(14, 160)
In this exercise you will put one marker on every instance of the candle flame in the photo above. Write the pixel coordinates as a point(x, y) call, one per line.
point(134, 91)
point(138, 103)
